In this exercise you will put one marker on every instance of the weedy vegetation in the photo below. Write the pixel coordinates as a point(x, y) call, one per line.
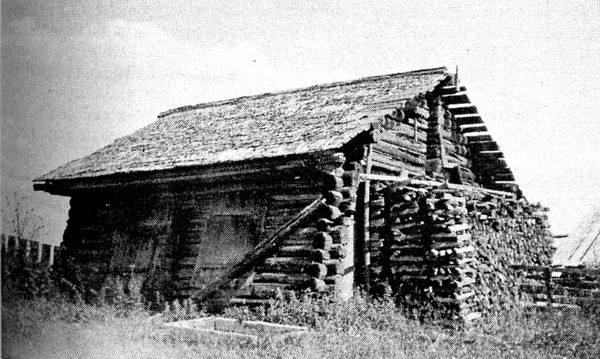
point(43, 317)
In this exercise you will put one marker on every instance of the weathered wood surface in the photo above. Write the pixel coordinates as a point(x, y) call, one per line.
point(264, 247)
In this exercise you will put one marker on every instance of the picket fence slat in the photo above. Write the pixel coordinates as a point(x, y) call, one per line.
point(30, 250)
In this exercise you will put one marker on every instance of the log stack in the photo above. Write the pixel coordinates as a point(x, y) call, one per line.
point(452, 256)
point(507, 232)
point(431, 256)
point(448, 252)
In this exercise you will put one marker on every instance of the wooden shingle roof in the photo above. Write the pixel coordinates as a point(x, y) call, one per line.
point(299, 121)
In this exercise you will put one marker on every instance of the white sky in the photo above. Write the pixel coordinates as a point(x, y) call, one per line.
point(76, 77)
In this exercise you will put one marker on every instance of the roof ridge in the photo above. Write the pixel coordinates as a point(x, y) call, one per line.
point(434, 70)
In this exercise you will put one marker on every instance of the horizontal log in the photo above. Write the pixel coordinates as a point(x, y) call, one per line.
point(302, 251)
point(408, 163)
point(291, 265)
point(405, 132)
point(399, 155)
point(397, 167)
point(317, 270)
point(414, 149)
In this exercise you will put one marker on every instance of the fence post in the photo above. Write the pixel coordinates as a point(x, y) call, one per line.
point(548, 273)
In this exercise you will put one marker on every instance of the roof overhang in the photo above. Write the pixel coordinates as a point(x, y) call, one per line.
point(262, 171)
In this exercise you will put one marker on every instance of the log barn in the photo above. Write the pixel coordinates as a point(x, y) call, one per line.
point(370, 182)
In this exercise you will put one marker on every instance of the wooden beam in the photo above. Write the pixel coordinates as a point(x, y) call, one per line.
point(460, 93)
point(404, 181)
point(468, 115)
point(475, 135)
point(460, 105)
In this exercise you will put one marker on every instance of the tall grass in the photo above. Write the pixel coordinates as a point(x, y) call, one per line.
point(359, 328)
point(47, 324)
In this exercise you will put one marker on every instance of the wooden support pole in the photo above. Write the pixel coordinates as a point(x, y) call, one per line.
point(365, 222)
point(38, 255)
point(456, 79)
point(548, 277)
point(438, 116)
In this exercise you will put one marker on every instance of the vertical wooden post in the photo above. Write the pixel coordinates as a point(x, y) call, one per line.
point(39, 253)
point(366, 280)
point(438, 112)
point(388, 238)
point(51, 259)
point(27, 249)
point(456, 79)
point(548, 274)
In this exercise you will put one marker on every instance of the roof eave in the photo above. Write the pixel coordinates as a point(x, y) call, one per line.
point(198, 174)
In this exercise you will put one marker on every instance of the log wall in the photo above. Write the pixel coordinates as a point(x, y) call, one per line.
point(174, 243)
point(318, 256)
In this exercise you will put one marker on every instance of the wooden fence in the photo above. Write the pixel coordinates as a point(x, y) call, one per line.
point(561, 286)
point(30, 250)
